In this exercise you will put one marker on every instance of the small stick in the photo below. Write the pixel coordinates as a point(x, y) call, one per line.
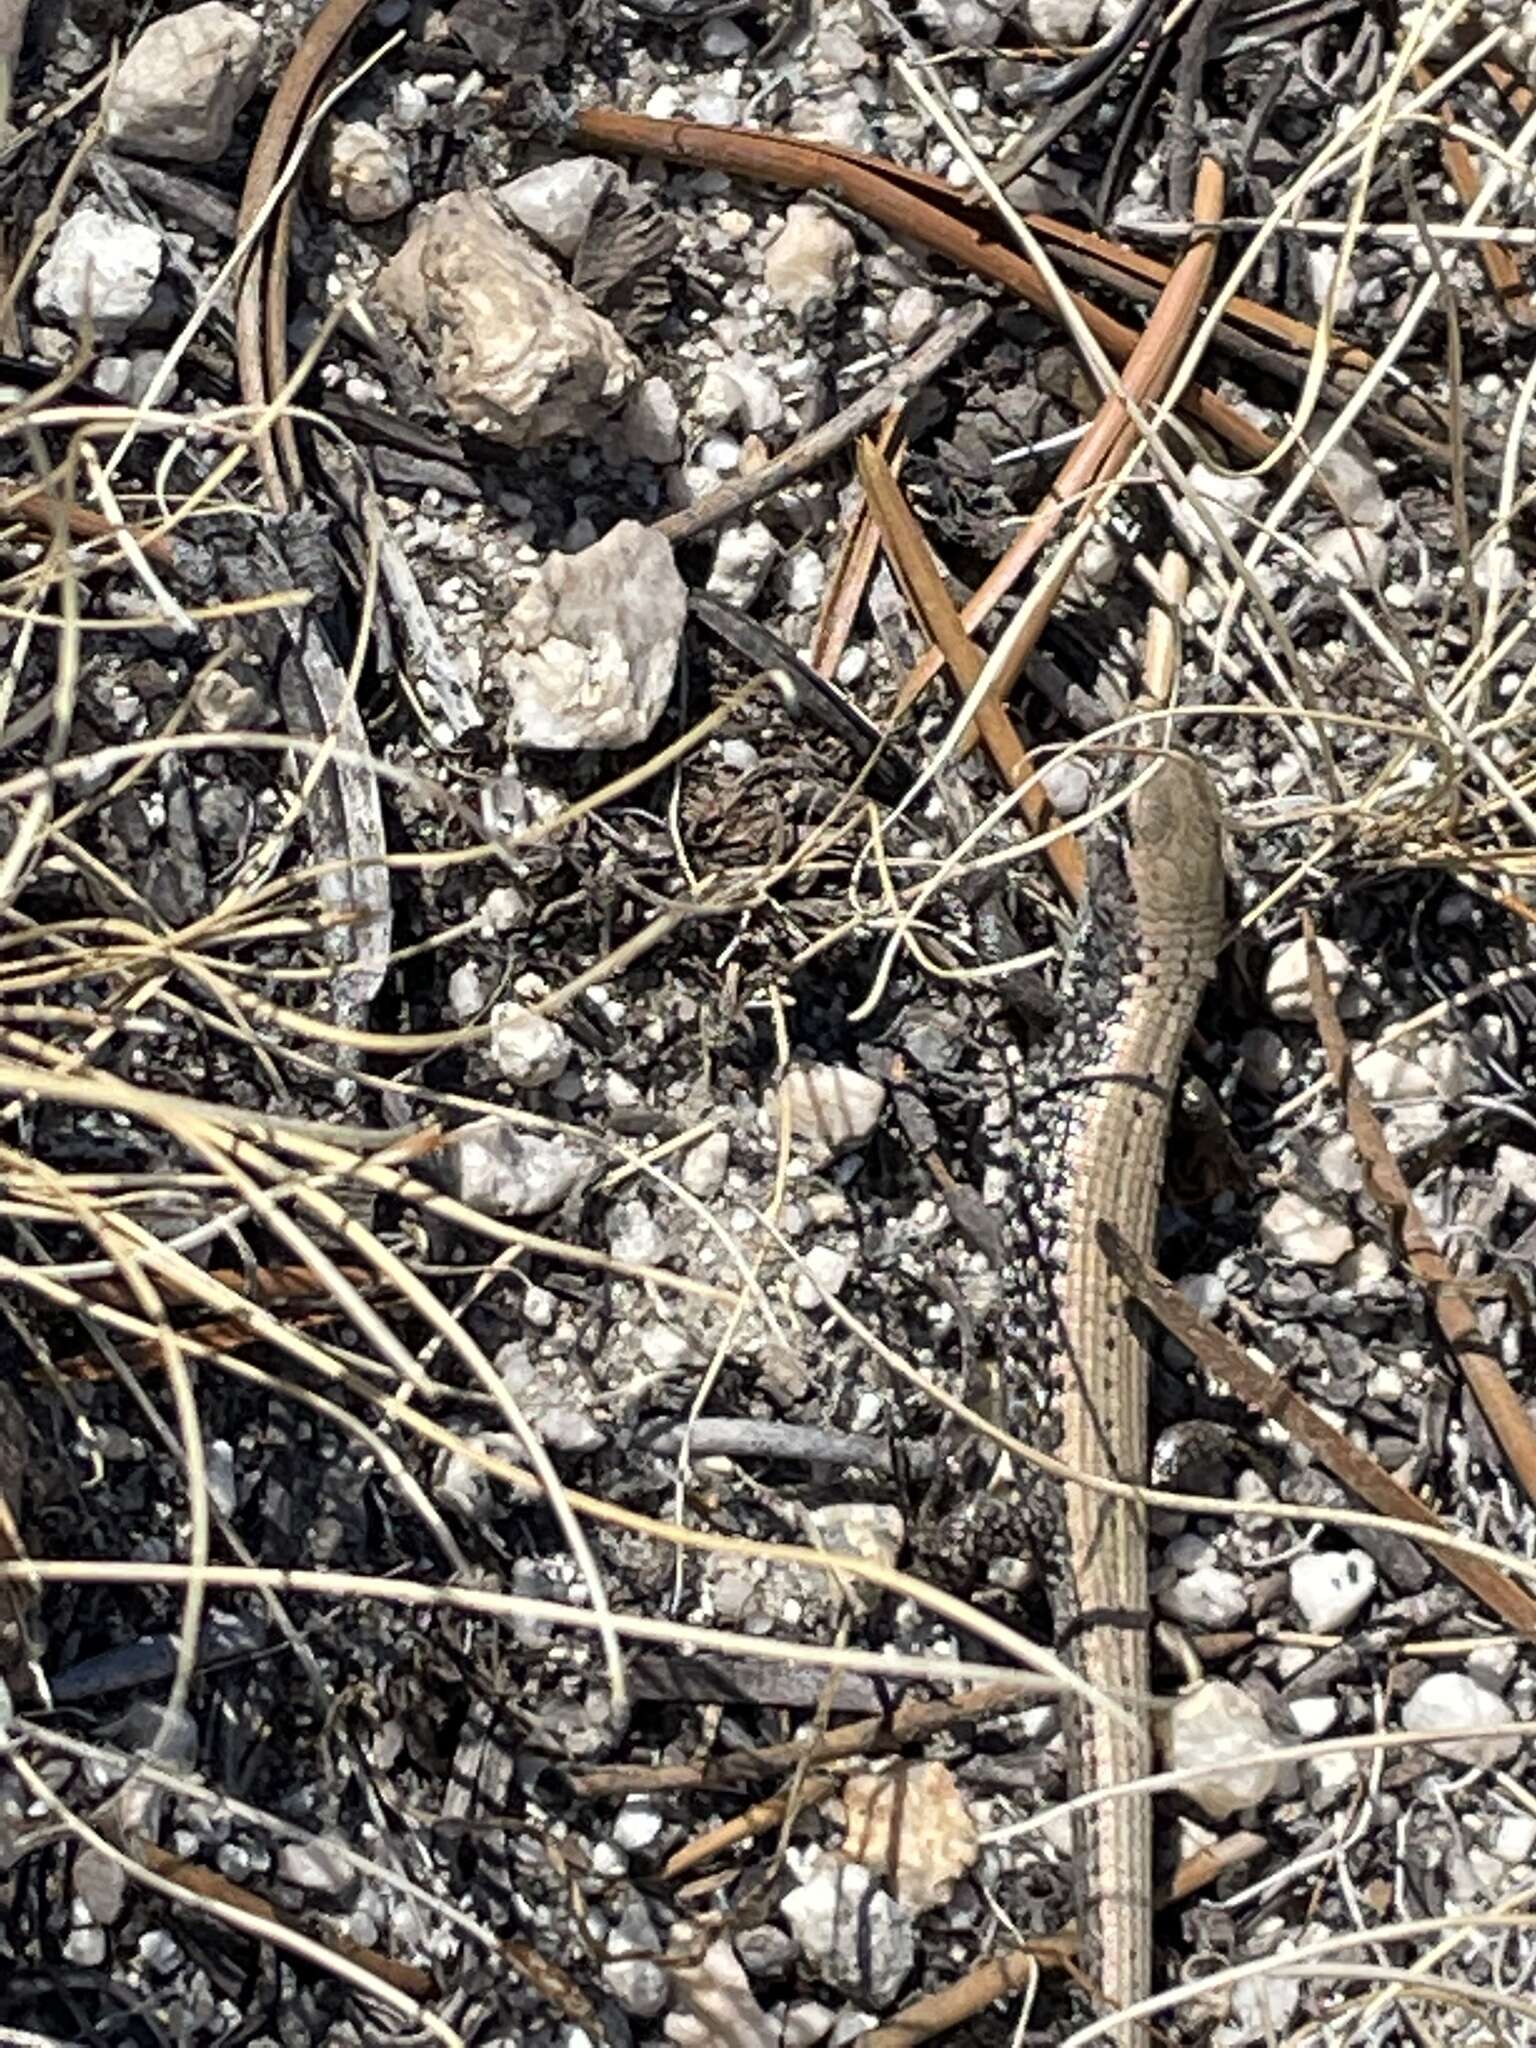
point(813, 449)
point(1502, 1406)
point(1265, 1391)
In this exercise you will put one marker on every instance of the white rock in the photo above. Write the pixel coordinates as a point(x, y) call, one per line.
point(738, 393)
point(501, 911)
point(1260, 2009)
point(100, 1887)
point(1229, 502)
point(636, 1825)
point(1392, 1079)
point(805, 579)
point(466, 991)
point(367, 173)
point(634, 1234)
point(743, 557)
point(913, 1826)
point(851, 1931)
point(704, 1165)
point(529, 1049)
point(183, 82)
point(868, 1530)
point(595, 640)
point(86, 1947)
point(653, 423)
point(809, 262)
point(1285, 985)
point(1329, 1587)
point(1515, 1838)
point(463, 1484)
point(1207, 1597)
point(1449, 1699)
point(517, 354)
point(1267, 1060)
point(1301, 1232)
point(100, 271)
point(540, 1307)
point(1407, 1093)
point(549, 1395)
point(961, 24)
point(1219, 1727)
point(831, 1108)
point(640, 1986)
point(913, 311)
point(806, 2023)
point(1495, 565)
point(1352, 555)
point(1338, 1162)
point(1068, 785)
point(1315, 1715)
point(513, 1173)
point(1349, 471)
point(1061, 24)
point(1322, 266)
point(557, 201)
point(313, 1867)
point(718, 2004)
point(824, 1272)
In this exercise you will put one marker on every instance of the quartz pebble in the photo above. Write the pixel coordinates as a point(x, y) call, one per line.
point(851, 1931)
point(704, 1166)
point(717, 2004)
point(183, 82)
point(1285, 985)
point(1449, 1699)
point(913, 1826)
point(962, 24)
point(367, 173)
point(831, 1108)
point(631, 1974)
point(868, 1530)
point(528, 1049)
point(513, 1173)
point(1207, 1597)
point(101, 271)
point(556, 202)
point(1061, 24)
point(1349, 471)
point(1329, 1587)
point(594, 643)
point(314, 1867)
point(1229, 502)
point(653, 422)
point(743, 557)
point(517, 354)
point(809, 261)
point(1299, 1231)
point(1219, 1727)
point(1352, 555)
point(822, 1272)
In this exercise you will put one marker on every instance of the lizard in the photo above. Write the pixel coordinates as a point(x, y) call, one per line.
point(1143, 948)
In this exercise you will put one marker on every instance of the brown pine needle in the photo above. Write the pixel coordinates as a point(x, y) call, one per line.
point(1501, 1405)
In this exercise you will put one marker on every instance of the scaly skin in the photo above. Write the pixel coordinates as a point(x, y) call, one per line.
point(1145, 948)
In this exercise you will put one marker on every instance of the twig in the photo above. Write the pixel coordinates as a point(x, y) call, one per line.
point(210, 1888)
point(911, 1722)
point(1265, 1391)
point(1461, 168)
point(808, 453)
point(913, 560)
point(1107, 445)
point(906, 203)
point(1502, 1406)
point(998, 1976)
